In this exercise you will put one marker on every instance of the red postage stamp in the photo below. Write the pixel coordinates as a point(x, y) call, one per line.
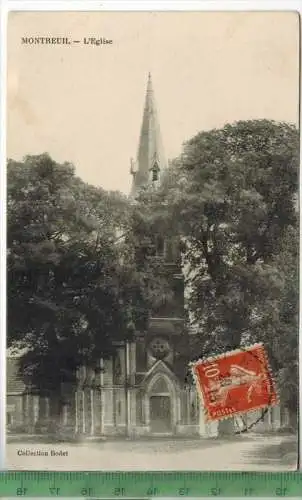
point(235, 382)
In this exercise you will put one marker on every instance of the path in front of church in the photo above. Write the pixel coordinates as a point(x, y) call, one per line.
point(243, 453)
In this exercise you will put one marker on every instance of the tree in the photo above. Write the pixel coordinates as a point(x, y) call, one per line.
point(283, 337)
point(73, 285)
point(234, 203)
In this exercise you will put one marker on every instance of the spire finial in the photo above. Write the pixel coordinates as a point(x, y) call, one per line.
point(150, 156)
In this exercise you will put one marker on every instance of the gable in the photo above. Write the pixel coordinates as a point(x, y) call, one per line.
point(160, 367)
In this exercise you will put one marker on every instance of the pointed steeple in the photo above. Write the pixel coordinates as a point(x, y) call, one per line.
point(150, 160)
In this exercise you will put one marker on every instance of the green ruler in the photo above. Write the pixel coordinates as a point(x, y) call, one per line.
point(150, 484)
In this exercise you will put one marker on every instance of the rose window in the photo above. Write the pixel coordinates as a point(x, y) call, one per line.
point(159, 348)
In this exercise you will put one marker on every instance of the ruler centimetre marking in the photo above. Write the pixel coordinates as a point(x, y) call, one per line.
point(140, 485)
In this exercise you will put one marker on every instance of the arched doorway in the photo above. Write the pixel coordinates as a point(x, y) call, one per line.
point(160, 407)
point(160, 414)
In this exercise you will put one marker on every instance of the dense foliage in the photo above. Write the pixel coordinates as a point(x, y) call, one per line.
point(74, 288)
point(233, 195)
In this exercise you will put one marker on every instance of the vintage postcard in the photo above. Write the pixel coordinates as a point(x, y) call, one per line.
point(152, 240)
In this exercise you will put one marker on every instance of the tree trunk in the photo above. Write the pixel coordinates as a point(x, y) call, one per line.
point(293, 419)
point(226, 428)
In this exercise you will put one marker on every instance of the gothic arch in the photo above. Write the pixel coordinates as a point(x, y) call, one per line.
point(156, 379)
point(162, 383)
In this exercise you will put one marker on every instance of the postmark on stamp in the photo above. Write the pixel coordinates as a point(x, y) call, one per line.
point(235, 382)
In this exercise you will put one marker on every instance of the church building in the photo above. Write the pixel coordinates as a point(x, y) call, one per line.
point(142, 391)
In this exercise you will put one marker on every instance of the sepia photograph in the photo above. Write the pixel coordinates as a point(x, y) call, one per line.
point(152, 241)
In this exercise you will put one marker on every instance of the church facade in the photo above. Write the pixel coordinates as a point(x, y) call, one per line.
point(142, 391)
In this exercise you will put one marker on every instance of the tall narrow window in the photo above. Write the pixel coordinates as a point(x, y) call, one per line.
point(169, 250)
point(117, 369)
point(154, 175)
point(155, 171)
point(160, 245)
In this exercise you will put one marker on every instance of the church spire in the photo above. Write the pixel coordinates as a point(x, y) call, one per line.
point(150, 159)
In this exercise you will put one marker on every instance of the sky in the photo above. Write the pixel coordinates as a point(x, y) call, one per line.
point(84, 103)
